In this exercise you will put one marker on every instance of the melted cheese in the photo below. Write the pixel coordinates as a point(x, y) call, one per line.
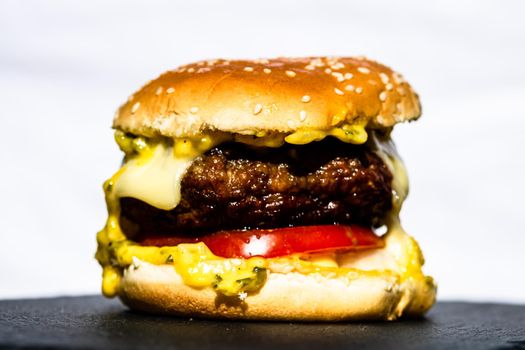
point(152, 172)
point(159, 178)
point(354, 133)
point(156, 181)
point(195, 263)
point(386, 149)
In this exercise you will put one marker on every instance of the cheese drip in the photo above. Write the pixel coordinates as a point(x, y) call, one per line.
point(156, 182)
point(152, 172)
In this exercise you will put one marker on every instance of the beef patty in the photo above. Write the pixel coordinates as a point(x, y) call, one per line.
point(235, 186)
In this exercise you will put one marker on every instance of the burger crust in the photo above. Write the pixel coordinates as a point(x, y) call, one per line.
point(260, 96)
point(290, 296)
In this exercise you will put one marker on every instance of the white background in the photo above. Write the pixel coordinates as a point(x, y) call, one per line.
point(65, 66)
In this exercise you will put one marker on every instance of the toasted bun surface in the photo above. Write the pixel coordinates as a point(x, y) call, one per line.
point(290, 296)
point(277, 95)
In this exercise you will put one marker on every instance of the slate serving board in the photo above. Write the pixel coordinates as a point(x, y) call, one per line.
point(92, 322)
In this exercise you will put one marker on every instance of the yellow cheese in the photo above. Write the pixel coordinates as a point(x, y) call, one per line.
point(157, 181)
point(155, 173)
point(152, 172)
point(322, 259)
point(354, 133)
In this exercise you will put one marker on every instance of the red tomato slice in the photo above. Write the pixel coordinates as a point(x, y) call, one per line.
point(279, 242)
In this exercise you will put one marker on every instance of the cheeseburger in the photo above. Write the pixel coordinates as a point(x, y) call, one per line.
point(264, 189)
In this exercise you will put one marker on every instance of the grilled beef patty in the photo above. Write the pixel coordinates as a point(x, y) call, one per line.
point(235, 186)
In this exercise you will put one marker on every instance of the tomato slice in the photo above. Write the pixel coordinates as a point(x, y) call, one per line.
point(279, 242)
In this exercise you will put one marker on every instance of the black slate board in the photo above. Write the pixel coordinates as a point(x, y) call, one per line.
point(93, 322)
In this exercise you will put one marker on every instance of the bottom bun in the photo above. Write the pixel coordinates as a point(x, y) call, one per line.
point(284, 296)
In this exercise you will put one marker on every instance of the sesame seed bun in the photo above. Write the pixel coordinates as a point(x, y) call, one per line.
point(278, 95)
point(160, 289)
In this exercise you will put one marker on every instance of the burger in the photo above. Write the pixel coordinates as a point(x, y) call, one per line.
point(264, 189)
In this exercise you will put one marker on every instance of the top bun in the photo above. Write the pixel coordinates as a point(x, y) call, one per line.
point(274, 95)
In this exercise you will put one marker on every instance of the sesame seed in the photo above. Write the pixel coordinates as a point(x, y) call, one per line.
point(389, 86)
point(317, 62)
point(384, 78)
point(267, 70)
point(328, 71)
point(380, 119)
point(382, 96)
point(337, 65)
point(372, 82)
point(332, 60)
point(398, 79)
point(339, 92)
point(257, 108)
point(397, 117)
point(363, 70)
point(135, 107)
point(309, 67)
point(349, 87)
point(305, 99)
point(159, 91)
point(290, 73)
point(339, 76)
point(248, 69)
point(359, 90)
point(291, 123)
point(401, 91)
point(191, 70)
point(191, 119)
point(302, 116)
point(194, 110)
point(348, 76)
point(170, 90)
